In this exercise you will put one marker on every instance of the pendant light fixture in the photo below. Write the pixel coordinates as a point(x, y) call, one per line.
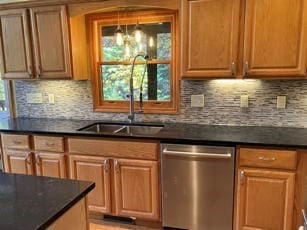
point(138, 32)
point(127, 43)
point(119, 34)
point(151, 42)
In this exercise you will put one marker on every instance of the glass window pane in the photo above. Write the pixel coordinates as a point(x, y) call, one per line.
point(4, 102)
point(156, 82)
point(156, 42)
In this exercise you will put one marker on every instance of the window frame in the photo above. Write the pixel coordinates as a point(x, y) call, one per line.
point(94, 24)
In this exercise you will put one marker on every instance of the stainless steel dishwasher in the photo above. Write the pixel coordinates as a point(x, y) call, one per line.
point(197, 187)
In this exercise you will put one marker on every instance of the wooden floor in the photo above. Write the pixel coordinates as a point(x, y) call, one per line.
point(103, 225)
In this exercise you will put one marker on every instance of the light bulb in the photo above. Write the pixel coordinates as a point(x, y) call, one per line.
point(151, 42)
point(119, 36)
point(138, 35)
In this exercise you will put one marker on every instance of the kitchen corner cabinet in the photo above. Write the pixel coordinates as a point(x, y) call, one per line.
point(17, 154)
point(210, 38)
point(36, 43)
point(275, 38)
point(265, 189)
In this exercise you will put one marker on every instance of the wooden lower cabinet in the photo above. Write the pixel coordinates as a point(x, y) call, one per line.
point(265, 199)
point(50, 165)
point(20, 162)
point(95, 169)
point(136, 188)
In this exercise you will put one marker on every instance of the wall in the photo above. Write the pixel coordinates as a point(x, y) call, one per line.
point(73, 100)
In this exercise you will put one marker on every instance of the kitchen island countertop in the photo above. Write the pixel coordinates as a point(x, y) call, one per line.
point(32, 202)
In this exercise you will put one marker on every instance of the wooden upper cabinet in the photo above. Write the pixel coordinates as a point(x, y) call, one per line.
point(51, 42)
point(210, 38)
point(265, 199)
point(136, 189)
point(15, 44)
point(274, 42)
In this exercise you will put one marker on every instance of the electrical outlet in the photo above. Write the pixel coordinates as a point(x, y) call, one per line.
point(244, 101)
point(34, 98)
point(198, 100)
point(281, 102)
point(51, 98)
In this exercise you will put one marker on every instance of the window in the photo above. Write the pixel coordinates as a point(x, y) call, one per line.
point(157, 77)
point(4, 100)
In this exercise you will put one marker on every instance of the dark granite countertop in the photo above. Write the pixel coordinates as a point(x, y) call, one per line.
point(32, 202)
point(172, 132)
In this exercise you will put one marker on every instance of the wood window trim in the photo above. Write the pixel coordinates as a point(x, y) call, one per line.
point(94, 23)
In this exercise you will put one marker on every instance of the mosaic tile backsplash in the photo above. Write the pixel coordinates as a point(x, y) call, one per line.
point(73, 100)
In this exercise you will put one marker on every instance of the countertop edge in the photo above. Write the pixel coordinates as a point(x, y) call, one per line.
point(52, 219)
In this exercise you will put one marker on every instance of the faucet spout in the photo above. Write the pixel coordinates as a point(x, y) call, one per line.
point(131, 115)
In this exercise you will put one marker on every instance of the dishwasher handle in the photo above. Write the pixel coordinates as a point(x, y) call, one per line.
point(196, 154)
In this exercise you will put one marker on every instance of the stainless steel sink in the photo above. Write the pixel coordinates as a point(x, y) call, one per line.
point(140, 129)
point(130, 129)
point(102, 128)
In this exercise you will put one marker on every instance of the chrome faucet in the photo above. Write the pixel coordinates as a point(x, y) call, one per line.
point(131, 114)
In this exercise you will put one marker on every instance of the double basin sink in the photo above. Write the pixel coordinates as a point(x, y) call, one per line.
point(130, 129)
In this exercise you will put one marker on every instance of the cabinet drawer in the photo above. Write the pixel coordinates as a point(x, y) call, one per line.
point(52, 144)
point(114, 148)
point(12, 141)
point(268, 158)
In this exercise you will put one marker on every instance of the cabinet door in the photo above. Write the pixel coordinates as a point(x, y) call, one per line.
point(51, 42)
point(16, 56)
point(95, 169)
point(275, 38)
point(18, 162)
point(136, 188)
point(210, 38)
point(50, 165)
point(265, 200)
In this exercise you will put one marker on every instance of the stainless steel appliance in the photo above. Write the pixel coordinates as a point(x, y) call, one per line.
point(197, 187)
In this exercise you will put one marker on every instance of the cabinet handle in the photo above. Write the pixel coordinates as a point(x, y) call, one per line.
point(38, 71)
point(49, 144)
point(242, 177)
point(116, 166)
point(17, 142)
point(37, 159)
point(262, 158)
point(233, 69)
point(28, 159)
point(30, 70)
point(106, 166)
point(246, 68)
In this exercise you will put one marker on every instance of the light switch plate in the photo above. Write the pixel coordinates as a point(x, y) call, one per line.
point(244, 101)
point(51, 98)
point(34, 98)
point(198, 100)
point(281, 102)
